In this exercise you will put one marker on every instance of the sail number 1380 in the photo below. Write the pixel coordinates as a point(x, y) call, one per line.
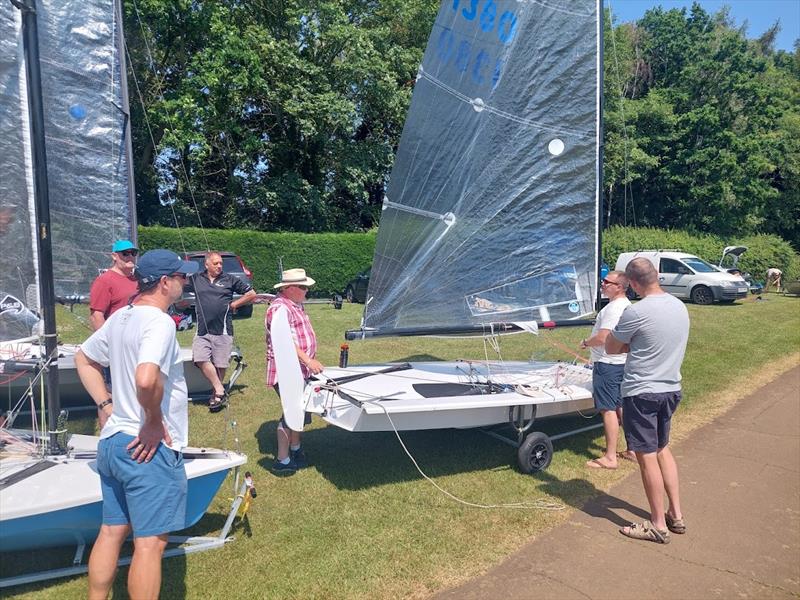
point(487, 18)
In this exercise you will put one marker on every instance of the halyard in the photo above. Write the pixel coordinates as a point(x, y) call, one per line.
point(361, 522)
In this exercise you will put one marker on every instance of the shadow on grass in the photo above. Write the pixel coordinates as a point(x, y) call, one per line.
point(357, 461)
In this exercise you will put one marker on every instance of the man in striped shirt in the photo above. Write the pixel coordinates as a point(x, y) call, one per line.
point(291, 294)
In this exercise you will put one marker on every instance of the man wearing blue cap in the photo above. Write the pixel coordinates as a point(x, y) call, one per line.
point(113, 288)
point(139, 454)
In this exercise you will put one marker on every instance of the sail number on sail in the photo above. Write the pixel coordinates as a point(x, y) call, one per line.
point(461, 51)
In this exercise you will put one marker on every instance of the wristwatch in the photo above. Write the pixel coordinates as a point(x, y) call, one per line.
point(105, 403)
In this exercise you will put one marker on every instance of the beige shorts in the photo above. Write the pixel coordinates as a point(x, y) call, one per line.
point(215, 349)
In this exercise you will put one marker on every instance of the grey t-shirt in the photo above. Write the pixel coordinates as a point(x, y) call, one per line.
point(657, 329)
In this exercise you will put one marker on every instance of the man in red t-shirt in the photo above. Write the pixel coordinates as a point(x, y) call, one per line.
point(113, 289)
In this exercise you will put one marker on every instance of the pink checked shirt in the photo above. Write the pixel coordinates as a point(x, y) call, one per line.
point(302, 333)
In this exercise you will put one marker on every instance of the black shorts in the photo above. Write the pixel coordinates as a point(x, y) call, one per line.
point(647, 419)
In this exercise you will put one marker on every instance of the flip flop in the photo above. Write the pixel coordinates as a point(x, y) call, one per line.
point(596, 464)
point(645, 531)
point(626, 456)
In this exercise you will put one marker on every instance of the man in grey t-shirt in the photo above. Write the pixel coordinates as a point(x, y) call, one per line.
point(654, 333)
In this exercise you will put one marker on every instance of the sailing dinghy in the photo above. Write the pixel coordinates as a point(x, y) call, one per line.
point(489, 223)
point(61, 103)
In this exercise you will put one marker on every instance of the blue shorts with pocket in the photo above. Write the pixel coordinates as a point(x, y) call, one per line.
point(150, 496)
point(647, 419)
point(606, 382)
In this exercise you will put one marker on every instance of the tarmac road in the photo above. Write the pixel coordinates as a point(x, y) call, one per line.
point(740, 490)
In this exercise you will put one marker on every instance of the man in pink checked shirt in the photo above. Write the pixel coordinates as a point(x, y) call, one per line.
point(292, 291)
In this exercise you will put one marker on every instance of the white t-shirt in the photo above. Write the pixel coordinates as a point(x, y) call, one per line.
point(608, 319)
point(130, 337)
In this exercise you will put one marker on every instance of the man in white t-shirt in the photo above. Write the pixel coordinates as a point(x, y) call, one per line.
point(139, 454)
point(608, 369)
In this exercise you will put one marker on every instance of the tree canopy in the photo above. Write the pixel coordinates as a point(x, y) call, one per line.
point(285, 115)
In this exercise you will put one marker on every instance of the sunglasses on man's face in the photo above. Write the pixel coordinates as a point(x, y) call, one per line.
point(609, 282)
point(128, 253)
point(302, 287)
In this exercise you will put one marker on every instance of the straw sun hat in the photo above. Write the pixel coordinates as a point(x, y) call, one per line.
point(294, 277)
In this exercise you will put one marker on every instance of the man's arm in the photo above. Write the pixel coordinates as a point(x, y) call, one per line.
point(149, 392)
point(96, 319)
point(91, 376)
point(614, 346)
point(312, 364)
point(247, 298)
point(598, 339)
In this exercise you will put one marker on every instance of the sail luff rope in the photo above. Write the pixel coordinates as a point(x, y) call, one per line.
point(160, 91)
point(626, 188)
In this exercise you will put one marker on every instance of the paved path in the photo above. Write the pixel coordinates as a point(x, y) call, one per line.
point(740, 484)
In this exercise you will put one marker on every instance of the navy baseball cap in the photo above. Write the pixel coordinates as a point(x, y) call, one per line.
point(154, 264)
point(122, 245)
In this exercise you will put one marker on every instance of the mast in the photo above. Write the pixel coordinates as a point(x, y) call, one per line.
point(30, 36)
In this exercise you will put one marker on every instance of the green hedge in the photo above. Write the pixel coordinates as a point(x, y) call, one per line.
point(763, 251)
point(332, 259)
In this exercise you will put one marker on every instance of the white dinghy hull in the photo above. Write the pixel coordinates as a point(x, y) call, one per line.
point(440, 395)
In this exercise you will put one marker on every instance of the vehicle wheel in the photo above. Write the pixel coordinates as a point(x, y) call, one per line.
point(349, 295)
point(535, 453)
point(702, 295)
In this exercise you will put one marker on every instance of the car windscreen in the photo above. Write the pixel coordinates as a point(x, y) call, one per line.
point(699, 265)
point(230, 264)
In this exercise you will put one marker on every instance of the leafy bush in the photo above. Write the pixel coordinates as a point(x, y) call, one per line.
point(763, 251)
point(332, 259)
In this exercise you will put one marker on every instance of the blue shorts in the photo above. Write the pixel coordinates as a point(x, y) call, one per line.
point(150, 496)
point(647, 419)
point(606, 382)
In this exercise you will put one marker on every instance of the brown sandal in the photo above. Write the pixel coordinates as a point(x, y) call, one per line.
point(217, 402)
point(675, 525)
point(645, 531)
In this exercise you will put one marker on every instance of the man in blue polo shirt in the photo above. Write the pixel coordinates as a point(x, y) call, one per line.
point(214, 307)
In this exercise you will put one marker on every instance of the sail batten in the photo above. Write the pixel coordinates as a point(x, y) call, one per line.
point(502, 137)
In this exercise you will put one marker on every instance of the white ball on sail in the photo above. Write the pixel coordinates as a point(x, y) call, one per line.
point(478, 104)
point(556, 146)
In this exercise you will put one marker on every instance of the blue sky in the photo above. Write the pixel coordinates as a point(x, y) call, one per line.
point(759, 14)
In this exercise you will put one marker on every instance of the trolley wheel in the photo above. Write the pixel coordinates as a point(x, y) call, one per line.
point(535, 453)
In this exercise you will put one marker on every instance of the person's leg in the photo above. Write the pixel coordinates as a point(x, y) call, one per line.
point(103, 559)
point(653, 487)
point(283, 441)
point(210, 373)
point(611, 427)
point(669, 473)
point(144, 577)
point(628, 454)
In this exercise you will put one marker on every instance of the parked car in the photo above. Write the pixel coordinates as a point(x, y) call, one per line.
point(356, 289)
point(729, 263)
point(232, 264)
point(689, 277)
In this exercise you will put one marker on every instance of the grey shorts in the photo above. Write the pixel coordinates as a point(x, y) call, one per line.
point(647, 419)
point(606, 381)
point(215, 349)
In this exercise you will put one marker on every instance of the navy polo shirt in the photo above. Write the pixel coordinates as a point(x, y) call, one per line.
point(212, 301)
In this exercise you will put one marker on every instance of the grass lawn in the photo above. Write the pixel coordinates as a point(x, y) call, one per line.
point(362, 523)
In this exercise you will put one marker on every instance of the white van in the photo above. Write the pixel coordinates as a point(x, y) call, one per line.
point(687, 276)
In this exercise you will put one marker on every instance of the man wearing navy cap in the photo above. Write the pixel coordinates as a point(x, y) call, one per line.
point(113, 288)
point(139, 454)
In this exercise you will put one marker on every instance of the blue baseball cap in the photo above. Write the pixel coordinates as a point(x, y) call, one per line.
point(122, 245)
point(154, 264)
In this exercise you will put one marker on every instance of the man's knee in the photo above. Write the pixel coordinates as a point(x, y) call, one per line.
point(151, 543)
point(115, 533)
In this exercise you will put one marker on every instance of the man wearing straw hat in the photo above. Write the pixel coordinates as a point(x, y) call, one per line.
point(292, 291)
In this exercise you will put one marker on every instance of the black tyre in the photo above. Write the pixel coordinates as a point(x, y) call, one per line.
point(349, 294)
point(702, 295)
point(535, 453)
